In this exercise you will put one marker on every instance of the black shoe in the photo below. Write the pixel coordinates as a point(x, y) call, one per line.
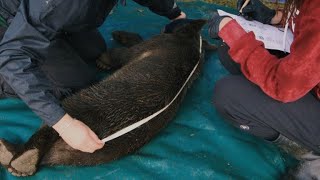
point(309, 166)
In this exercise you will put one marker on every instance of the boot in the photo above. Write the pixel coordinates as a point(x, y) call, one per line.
point(309, 166)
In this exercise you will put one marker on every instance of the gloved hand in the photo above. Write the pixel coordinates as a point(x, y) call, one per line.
point(182, 16)
point(256, 10)
point(214, 23)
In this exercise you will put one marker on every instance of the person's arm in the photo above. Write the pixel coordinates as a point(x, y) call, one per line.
point(21, 51)
point(256, 10)
point(277, 18)
point(8, 9)
point(286, 79)
point(24, 46)
point(167, 8)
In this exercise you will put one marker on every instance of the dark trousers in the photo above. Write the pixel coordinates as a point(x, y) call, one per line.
point(69, 64)
point(248, 108)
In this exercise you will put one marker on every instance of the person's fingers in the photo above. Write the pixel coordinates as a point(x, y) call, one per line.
point(87, 149)
point(91, 147)
point(95, 138)
point(98, 144)
point(94, 145)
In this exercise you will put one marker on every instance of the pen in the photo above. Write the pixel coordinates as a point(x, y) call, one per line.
point(244, 5)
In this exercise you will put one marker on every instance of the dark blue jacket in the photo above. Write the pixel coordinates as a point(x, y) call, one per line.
point(33, 26)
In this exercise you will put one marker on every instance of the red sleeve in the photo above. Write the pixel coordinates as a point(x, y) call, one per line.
point(286, 79)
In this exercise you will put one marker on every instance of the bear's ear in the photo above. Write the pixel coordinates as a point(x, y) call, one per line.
point(190, 29)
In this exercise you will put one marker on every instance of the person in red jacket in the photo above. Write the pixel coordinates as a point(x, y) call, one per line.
point(274, 97)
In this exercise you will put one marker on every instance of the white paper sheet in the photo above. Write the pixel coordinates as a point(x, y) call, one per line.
point(271, 36)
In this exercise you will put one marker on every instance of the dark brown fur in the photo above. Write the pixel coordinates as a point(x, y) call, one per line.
point(152, 73)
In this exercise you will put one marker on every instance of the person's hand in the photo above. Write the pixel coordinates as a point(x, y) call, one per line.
point(182, 16)
point(78, 135)
point(216, 23)
point(256, 10)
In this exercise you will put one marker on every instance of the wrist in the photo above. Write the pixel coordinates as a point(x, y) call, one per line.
point(223, 22)
point(231, 32)
point(216, 23)
point(181, 16)
point(277, 18)
point(174, 13)
point(62, 125)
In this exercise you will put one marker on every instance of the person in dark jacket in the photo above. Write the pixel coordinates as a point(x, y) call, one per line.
point(45, 51)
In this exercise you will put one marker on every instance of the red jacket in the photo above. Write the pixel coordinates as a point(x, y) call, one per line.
point(289, 78)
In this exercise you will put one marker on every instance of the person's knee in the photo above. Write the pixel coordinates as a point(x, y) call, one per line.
point(222, 101)
point(231, 100)
point(224, 92)
point(225, 98)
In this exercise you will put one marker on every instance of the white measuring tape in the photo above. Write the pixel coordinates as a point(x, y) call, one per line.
point(145, 120)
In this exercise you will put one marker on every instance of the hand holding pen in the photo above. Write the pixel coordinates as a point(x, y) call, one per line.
point(255, 10)
point(244, 5)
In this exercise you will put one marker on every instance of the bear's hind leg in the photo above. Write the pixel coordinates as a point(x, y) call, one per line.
point(117, 57)
point(127, 39)
point(7, 152)
point(25, 162)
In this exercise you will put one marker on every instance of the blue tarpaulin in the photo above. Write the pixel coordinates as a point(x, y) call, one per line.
point(197, 144)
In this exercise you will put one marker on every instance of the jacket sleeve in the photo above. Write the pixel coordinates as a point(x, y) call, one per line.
point(286, 79)
point(8, 9)
point(24, 45)
point(167, 8)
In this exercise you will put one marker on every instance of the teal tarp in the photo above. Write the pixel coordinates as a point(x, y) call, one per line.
point(198, 144)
